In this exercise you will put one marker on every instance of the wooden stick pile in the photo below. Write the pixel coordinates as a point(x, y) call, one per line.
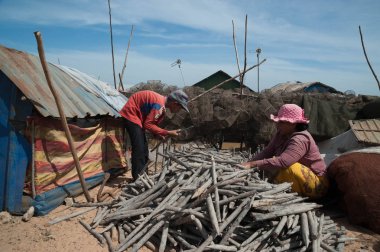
point(205, 201)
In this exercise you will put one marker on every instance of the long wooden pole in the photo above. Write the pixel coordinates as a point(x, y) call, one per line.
point(258, 70)
point(236, 51)
point(57, 99)
point(33, 159)
point(245, 59)
point(224, 82)
point(243, 75)
point(113, 59)
point(121, 86)
point(365, 54)
point(125, 60)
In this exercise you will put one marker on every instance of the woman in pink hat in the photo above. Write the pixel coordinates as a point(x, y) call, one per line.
point(292, 155)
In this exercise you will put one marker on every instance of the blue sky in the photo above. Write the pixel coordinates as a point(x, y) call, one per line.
point(301, 40)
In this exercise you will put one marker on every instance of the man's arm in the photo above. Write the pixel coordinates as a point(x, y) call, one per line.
point(152, 120)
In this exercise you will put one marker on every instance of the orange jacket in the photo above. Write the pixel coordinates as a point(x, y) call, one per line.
point(146, 109)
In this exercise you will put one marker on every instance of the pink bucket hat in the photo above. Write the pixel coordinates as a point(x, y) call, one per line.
point(290, 113)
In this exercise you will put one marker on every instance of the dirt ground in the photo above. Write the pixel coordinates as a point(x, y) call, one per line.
point(367, 240)
point(37, 235)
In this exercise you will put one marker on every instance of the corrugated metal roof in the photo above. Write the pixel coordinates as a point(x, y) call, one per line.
point(81, 95)
point(366, 131)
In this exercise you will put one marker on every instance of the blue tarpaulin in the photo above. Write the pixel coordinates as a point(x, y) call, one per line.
point(48, 201)
point(15, 151)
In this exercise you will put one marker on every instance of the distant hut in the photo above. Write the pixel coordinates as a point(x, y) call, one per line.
point(305, 87)
point(217, 78)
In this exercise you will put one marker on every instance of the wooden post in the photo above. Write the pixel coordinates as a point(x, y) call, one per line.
point(258, 51)
point(125, 60)
point(365, 54)
point(245, 59)
point(61, 113)
point(236, 51)
point(33, 160)
point(121, 86)
point(113, 59)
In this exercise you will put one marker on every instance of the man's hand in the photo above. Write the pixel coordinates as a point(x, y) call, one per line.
point(173, 132)
point(162, 138)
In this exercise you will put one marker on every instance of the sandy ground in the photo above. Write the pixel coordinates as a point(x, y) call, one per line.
point(37, 235)
point(367, 240)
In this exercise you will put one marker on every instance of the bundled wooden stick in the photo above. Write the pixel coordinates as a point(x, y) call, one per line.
point(178, 209)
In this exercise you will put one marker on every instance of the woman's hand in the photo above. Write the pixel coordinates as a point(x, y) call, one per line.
point(248, 165)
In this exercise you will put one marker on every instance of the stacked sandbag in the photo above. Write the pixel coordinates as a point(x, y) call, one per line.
point(357, 175)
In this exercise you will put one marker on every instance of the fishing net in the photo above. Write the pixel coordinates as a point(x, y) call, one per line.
point(224, 115)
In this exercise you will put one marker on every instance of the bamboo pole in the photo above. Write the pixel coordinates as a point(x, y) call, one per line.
point(313, 229)
point(72, 215)
point(245, 61)
point(109, 241)
point(113, 59)
point(236, 51)
point(146, 237)
point(258, 51)
point(33, 165)
point(237, 221)
point(365, 54)
point(164, 237)
point(62, 114)
point(191, 224)
point(211, 211)
point(125, 60)
point(121, 86)
point(99, 237)
point(216, 193)
point(280, 226)
point(305, 229)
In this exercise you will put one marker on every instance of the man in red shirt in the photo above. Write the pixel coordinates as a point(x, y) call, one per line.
point(144, 111)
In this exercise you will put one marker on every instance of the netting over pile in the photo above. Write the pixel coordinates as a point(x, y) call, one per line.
point(226, 115)
point(154, 85)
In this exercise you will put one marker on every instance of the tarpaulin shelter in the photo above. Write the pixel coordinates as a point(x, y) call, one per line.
point(307, 87)
point(34, 153)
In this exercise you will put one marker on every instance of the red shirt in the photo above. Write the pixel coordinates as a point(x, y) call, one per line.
point(282, 153)
point(146, 109)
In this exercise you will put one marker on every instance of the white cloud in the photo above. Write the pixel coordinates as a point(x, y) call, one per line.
point(303, 40)
point(61, 12)
point(189, 45)
point(142, 68)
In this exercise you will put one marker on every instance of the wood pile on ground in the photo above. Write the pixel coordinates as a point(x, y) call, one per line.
point(203, 200)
